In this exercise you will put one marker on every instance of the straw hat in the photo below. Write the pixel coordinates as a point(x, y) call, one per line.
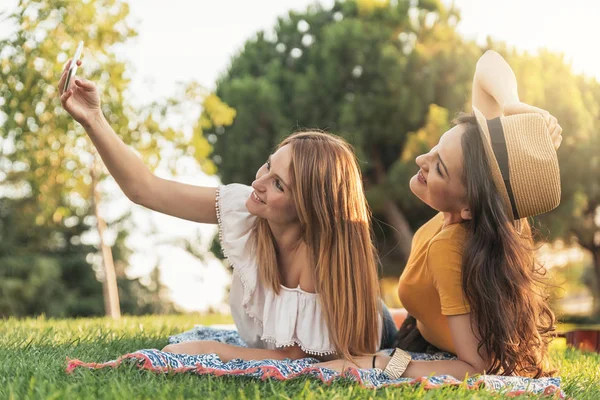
point(523, 162)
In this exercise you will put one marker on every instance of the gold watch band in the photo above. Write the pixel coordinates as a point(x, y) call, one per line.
point(398, 364)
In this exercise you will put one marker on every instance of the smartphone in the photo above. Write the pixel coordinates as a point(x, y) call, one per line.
point(73, 67)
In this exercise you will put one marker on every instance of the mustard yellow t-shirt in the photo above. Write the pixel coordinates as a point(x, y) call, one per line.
point(430, 287)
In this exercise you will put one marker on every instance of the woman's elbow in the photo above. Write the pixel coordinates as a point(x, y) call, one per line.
point(489, 55)
point(476, 367)
point(140, 192)
point(293, 352)
point(136, 195)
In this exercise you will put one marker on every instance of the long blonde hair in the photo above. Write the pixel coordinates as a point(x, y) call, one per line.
point(335, 219)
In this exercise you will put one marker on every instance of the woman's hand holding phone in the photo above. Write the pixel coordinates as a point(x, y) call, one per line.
point(81, 98)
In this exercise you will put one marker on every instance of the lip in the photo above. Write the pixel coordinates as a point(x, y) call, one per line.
point(421, 177)
point(255, 198)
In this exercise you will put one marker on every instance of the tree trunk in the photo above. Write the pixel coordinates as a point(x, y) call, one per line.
point(402, 231)
point(109, 285)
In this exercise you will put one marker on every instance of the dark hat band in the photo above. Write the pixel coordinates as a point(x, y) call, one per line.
point(500, 150)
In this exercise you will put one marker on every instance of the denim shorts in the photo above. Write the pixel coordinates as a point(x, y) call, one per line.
point(388, 335)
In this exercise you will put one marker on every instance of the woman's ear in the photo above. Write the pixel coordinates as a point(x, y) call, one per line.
point(465, 214)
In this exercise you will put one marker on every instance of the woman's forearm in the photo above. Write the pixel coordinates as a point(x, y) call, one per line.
point(456, 368)
point(228, 352)
point(494, 79)
point(128, 170)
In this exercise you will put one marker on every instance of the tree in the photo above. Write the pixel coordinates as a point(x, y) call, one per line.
point(43, 270)
point(548, 81)
point(389, 77)
point(366, 70)
point(48, 170)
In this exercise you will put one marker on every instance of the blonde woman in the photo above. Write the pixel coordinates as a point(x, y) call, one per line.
point(299, 240)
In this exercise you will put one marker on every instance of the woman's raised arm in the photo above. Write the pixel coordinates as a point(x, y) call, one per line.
point(194, 203)
point(494, 85)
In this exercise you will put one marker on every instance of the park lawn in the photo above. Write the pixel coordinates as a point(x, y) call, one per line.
point(34, 351)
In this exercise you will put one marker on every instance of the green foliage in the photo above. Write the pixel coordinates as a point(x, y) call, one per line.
point(45, 157)
point(389, 77)
point(548, 81)
point(367, 71)
point(47, 166)
point(44, 269)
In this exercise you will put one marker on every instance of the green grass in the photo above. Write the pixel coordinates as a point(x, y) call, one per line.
point(33, 359)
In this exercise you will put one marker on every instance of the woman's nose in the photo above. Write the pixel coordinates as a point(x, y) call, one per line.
point(422, 161)
point(259, 183)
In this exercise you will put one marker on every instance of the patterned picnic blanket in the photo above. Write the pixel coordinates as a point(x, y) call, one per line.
point(158, 361)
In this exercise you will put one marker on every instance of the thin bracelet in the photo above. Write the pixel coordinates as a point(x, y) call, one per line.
point(374, 357)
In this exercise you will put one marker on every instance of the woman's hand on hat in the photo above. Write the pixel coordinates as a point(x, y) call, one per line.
point(551, 122)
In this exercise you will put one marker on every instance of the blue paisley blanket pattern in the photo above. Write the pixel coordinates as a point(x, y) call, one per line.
point(160, 362)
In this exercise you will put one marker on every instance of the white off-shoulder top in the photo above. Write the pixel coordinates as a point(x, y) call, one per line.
point(263, 318)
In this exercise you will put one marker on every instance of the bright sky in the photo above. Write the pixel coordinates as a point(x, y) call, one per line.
point(186, 40)
point(198, 43)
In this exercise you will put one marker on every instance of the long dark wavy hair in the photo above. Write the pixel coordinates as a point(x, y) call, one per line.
point(501, 279)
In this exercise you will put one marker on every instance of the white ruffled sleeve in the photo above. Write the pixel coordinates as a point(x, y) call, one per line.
point(235, 223)
point(235, 234)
